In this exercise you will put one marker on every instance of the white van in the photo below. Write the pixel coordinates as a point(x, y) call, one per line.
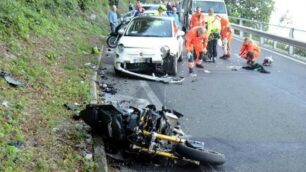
point(188, 8)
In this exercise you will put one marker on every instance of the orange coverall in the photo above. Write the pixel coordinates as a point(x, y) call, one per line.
point(226, 35)
point(197, 19)
point(250, 51)
point(197, 43)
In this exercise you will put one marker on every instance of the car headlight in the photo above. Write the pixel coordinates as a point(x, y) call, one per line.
point(164, 50)
point(120, 48)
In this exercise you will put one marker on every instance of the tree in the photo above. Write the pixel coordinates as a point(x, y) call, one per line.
point(259, 10)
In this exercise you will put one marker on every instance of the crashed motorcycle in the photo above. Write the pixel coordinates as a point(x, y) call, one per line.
point(148, 131)
point(114, 37)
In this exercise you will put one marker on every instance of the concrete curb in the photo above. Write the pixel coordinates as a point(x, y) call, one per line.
point(98, 144)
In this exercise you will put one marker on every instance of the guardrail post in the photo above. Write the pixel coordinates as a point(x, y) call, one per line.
point(241, 24)
point(262, 41)
point(274, 44)
point(291, 35)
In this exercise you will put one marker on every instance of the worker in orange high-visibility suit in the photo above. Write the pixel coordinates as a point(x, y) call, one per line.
point(197, 19)
point(226, 36)
point(249, 51)
point(196, 43)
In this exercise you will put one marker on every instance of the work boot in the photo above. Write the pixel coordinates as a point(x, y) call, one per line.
point(199, 66)
point(191, 72)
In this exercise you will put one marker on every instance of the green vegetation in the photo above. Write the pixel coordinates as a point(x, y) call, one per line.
point(259, 10)
point(45, 44)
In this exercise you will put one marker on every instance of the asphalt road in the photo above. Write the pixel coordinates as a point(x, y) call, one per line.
point(257, 120)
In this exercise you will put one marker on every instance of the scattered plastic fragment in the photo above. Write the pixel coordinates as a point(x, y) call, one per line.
point(5, 103)
point(72, 107)
point(10, 80)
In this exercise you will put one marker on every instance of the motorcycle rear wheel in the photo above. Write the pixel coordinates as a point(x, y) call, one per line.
point(112, 41)
point(202, 155)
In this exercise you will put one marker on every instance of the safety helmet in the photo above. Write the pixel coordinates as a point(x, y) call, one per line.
point(162, 8)
point(267, 61)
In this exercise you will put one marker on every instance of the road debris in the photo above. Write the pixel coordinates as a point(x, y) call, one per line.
point(165, 79)
point(95, 50)
point(107, 88)
point(16, 143)
point(195, 80)
point(193, 75)
point(88, 155)
point(117, 156)
point(72, 106)
point(93, 17)
point(267, 61)
point(5, 103)
point(102, 74)
point(207, 71)
point(10, 80)
point(234, 68)
point(90, 65)
point(256, 67)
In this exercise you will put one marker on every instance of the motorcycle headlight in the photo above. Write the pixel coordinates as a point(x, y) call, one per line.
point(164, 50)
point(120, 48)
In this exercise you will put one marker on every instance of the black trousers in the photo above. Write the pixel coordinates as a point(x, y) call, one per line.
point(212, 47)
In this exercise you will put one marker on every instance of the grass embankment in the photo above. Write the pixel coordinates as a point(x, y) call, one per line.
point(45, 43)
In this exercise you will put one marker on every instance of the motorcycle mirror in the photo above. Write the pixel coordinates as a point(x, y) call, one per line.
point(121, 31)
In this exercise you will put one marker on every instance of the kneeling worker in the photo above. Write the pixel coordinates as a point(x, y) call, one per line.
point(249, 51)
point(196, 41)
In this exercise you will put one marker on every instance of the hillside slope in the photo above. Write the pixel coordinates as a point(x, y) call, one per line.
point(45, 44)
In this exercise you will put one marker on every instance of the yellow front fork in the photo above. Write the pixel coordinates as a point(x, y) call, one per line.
point(160, 153)
point(165, 137)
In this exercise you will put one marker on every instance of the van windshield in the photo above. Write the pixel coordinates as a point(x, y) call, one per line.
point(219, 7)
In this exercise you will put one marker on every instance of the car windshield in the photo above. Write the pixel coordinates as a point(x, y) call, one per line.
point(150, 8)
point(219, 7)
point(150, 27)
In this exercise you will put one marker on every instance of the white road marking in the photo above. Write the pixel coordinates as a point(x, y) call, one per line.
point(151, 95)
point(282, 55)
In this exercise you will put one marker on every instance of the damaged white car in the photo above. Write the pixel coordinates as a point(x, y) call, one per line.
point(149, 44)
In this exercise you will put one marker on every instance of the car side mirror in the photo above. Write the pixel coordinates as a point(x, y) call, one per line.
point(121, 31)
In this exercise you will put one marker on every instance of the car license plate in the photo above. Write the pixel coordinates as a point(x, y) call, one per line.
point(142, 60)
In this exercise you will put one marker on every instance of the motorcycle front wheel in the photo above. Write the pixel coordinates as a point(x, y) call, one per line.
point(112, 41)
point(201, 155)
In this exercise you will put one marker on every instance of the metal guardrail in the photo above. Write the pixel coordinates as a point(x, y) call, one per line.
point(286, 40)
point(263, 35)
point(264, 23)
